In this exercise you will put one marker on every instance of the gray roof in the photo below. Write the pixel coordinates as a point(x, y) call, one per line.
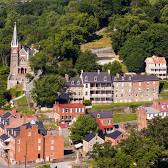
point(104, 114)
point(151, 110)
point(6, 115)
point(4, 137)
point(96, 77)
point(135, 78)
point(74, 82)
point(115, 134)
point(89, 136)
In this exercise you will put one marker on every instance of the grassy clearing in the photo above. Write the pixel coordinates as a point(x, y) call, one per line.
point(101, 43)
point(124, 117)
point(110, 106)
point(22, 106)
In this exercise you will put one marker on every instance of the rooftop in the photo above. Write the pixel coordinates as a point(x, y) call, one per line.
point(115, 134)
point(71, 105)
point(156, 60)
point(103, 114)
point(4, 137)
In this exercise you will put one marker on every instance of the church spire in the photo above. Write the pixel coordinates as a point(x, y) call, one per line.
point(14, 42)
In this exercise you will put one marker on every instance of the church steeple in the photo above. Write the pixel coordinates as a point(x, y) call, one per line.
point(14, 42)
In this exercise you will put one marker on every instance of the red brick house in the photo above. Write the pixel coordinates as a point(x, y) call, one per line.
point(104, 120)
point(146, 113)
point(32, 143)
point(67, 112)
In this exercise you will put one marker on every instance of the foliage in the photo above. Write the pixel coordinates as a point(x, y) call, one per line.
point(83, 125)
point(87, 102)
point(86, 62)
point(114, 67)
point(46, 89)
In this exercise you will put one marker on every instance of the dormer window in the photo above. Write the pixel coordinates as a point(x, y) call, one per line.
point(129, 77)
point(86, 78)
point(122, 77)
point(98, 115)
point(95, 78)
point(78, 82)
point(72, 82)
point(105, 78)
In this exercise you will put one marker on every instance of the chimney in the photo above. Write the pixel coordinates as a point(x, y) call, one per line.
point(67, 77)
point(108, 71)
point(81, 71)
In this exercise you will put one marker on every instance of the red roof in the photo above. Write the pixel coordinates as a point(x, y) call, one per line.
point(156, 60)
point(71, 105)
point(63, 125)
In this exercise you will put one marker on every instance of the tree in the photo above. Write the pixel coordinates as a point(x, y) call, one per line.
point(114, 67)
point(87, 62)
point(46, 89)
point(83, 125)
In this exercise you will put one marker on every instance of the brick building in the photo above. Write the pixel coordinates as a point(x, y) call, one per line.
point(67, 112)
point(158, 108)
point(23, 140)
point(157, 66)
point(104, 120)
point(101, 87)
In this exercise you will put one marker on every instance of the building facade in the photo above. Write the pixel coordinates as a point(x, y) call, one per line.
point(158, 108)
point(104, 120)
point(19, 62)
point(157, 66)
point(101, 87)
point(68, 112)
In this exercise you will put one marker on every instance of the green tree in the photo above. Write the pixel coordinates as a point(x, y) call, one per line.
point(83, 125)
point(46, 89)
point(87, 62)
point(114, 67)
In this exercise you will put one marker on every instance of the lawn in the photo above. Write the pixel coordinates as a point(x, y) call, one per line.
point(22, 106)
point(123, 117)
point(110, 106)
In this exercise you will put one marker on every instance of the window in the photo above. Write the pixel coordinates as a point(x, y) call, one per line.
point(38, 155)
point(78, 82)
point(18, 141)
point(72, 82)
point(52, 154)
point(52, 141)
point(39, 148)
point(86, 93)
point(29, 134)
point(95, 78)
point(86, 85)
point(66, 110)
point(86, 78)
point(109, 122)
point(39, 140)
point(105, 78)
point(98, 115)
point(52, 148)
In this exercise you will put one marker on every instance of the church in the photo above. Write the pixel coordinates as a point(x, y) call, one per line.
point(19, 62)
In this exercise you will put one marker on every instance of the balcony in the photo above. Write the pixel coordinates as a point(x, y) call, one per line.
point(101, 88)
point(101, 95)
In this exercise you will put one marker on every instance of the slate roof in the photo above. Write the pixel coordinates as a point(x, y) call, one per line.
point(6, 115)
point(4, 137)
point(89, 137)
point(16, 131)
point(96, 77)
point(135, 78)
point(115, 134)
point(104, 114)
point(74, 82)
point(1, 125)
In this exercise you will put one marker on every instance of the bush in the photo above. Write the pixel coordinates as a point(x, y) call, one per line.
point(87, 102)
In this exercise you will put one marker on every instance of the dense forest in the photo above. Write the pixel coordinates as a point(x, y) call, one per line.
point(138, 28)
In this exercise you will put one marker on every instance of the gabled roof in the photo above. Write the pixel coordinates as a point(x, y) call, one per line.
point(104, 114)
point(115, 134)
point(156, 60)
point(89, 136)
point(96, 77)
point(74, 82)
point(71, 105)
point(6, 115)
point(4, 137)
